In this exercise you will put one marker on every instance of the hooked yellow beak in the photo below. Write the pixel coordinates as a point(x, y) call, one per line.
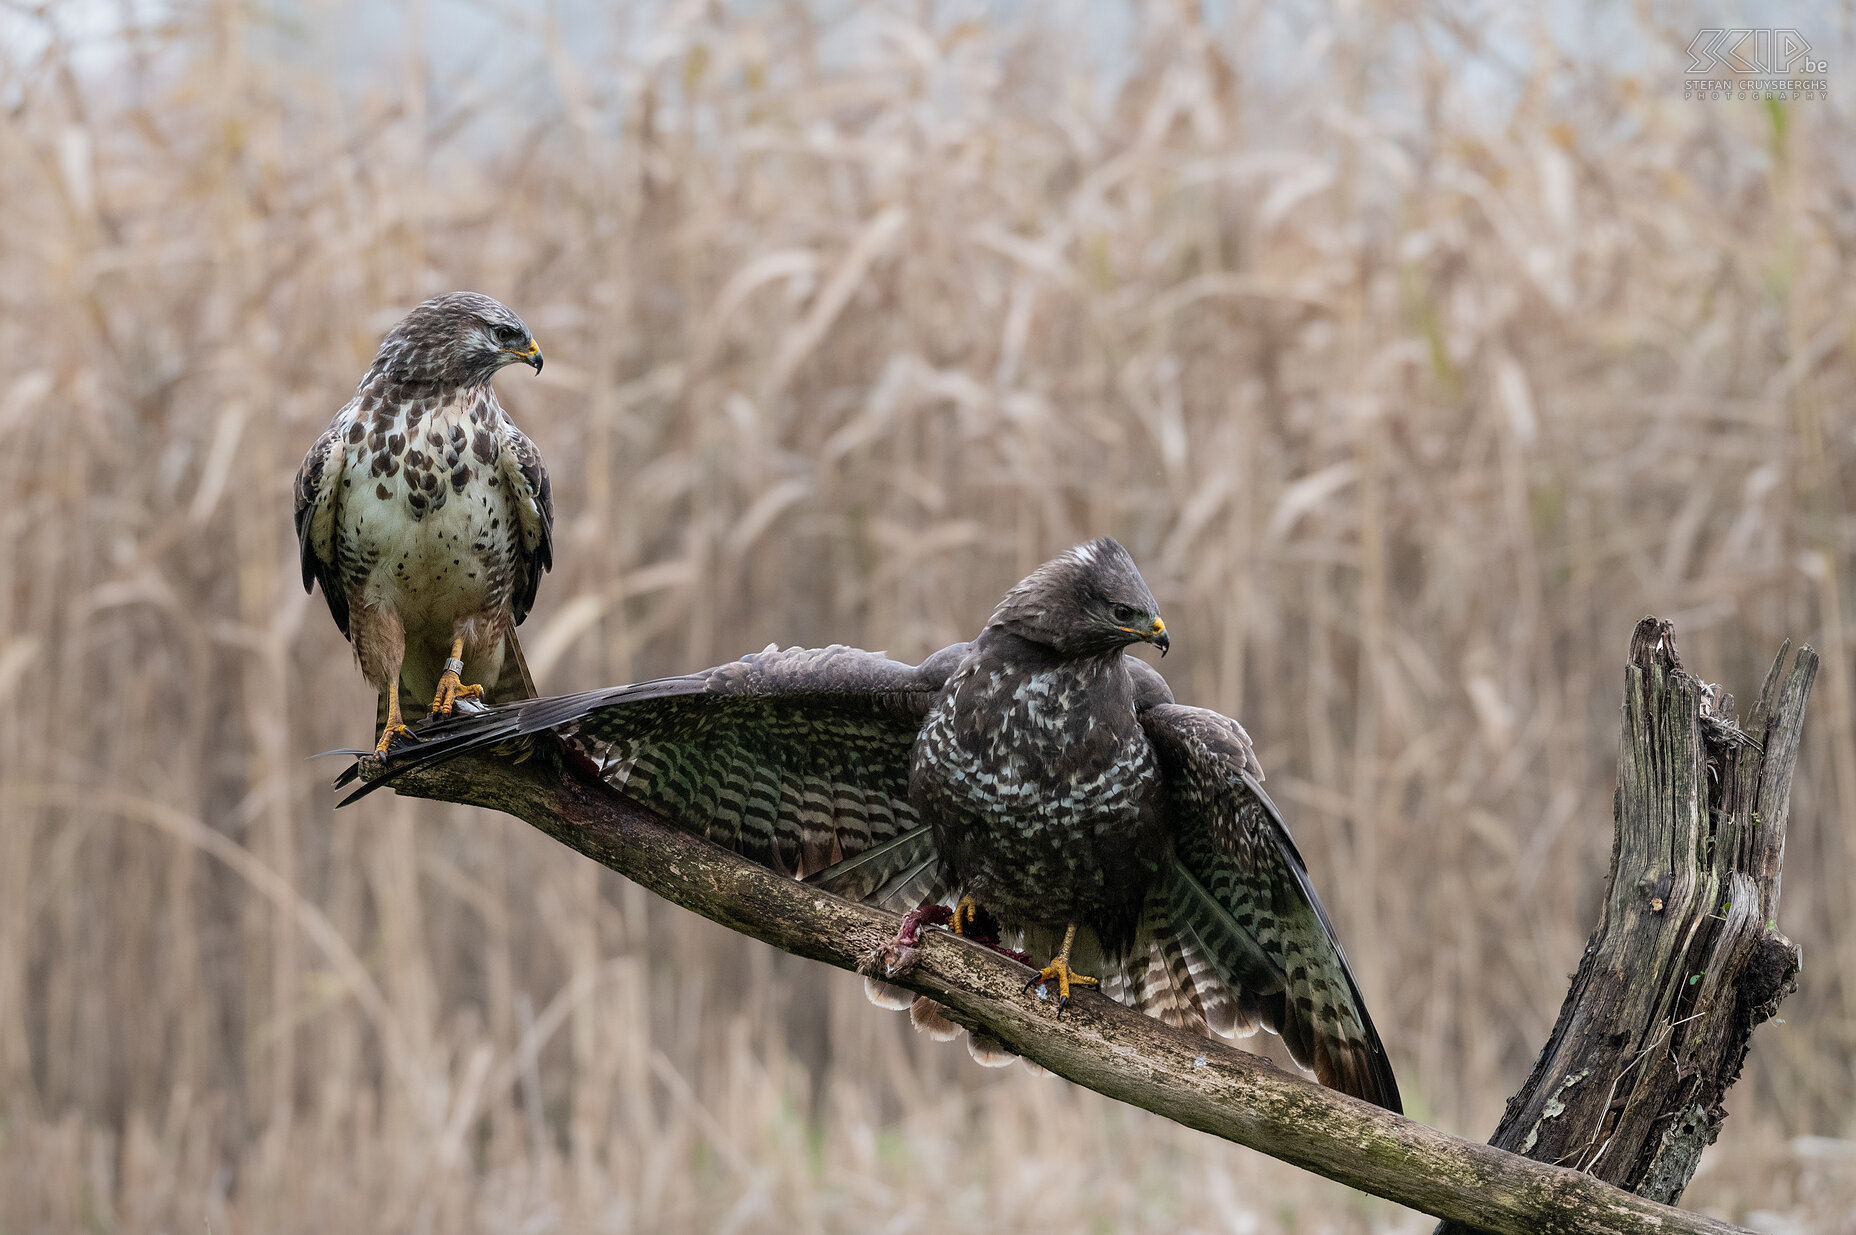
point(1155, 634)
point(529, 356)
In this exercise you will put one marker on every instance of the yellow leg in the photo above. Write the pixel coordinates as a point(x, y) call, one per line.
point(451, 688)
point(394, 726)
point(965, 913)
point(1060, 970)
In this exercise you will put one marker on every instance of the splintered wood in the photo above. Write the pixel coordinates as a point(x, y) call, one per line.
point(1687, 957)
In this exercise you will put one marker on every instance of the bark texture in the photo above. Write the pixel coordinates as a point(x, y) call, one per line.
point(1687, 957)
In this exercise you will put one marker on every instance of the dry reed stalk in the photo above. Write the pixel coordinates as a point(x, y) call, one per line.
point(1421, 376)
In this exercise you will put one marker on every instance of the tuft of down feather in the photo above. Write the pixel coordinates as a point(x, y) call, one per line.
point(988, 1051)
point(925, 1015)
point(884, 995)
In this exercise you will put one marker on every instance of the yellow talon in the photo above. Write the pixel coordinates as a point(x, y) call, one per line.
point(450, 690)
point(451, 687)
point(394, 727)
point(966, 913)
point(1059, 969)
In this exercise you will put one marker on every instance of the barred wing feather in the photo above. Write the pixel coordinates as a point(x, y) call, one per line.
point(1241, 905)
point(795, 758)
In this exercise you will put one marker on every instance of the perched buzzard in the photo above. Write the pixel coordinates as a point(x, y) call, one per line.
point(1037, 779)
point(426, 515)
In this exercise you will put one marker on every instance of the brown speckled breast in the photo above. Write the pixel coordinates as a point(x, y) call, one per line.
point(427, 525)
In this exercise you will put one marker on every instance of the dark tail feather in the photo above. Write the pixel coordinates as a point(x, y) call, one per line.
point(1155, 974)
point(512, 687)
point(450, 738)
point(1358, 1068)
point(440, 742)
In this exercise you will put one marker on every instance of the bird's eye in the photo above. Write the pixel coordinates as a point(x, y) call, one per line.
point(1125, 613)
point(508, 336)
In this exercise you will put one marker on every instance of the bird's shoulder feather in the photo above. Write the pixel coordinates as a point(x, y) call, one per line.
point(527, 477)
point(318, 498)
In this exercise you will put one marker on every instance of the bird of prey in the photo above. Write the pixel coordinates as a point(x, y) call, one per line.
point(1038, 780)
point(426, 515)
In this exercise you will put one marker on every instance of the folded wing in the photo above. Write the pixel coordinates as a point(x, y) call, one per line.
point(520, 467)
point(318, 496)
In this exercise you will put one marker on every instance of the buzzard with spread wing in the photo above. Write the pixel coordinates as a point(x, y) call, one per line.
point(1038, 780)
point(426, 514)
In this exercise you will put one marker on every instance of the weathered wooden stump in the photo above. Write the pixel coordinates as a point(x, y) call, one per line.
point(1687, 956)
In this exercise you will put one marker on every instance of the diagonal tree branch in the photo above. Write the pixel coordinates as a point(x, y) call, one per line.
point(1098, 1044)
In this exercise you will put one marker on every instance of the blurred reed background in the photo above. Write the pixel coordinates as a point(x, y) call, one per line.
point(1416, 352)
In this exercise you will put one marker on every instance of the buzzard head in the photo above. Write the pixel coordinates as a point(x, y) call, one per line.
point(457, 339)
point(1087, 602)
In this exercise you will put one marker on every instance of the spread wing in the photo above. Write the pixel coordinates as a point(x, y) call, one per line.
point(797, 759)
point(318, 494)
point(521, 469)
point(1245, 921)
point(898, 875)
